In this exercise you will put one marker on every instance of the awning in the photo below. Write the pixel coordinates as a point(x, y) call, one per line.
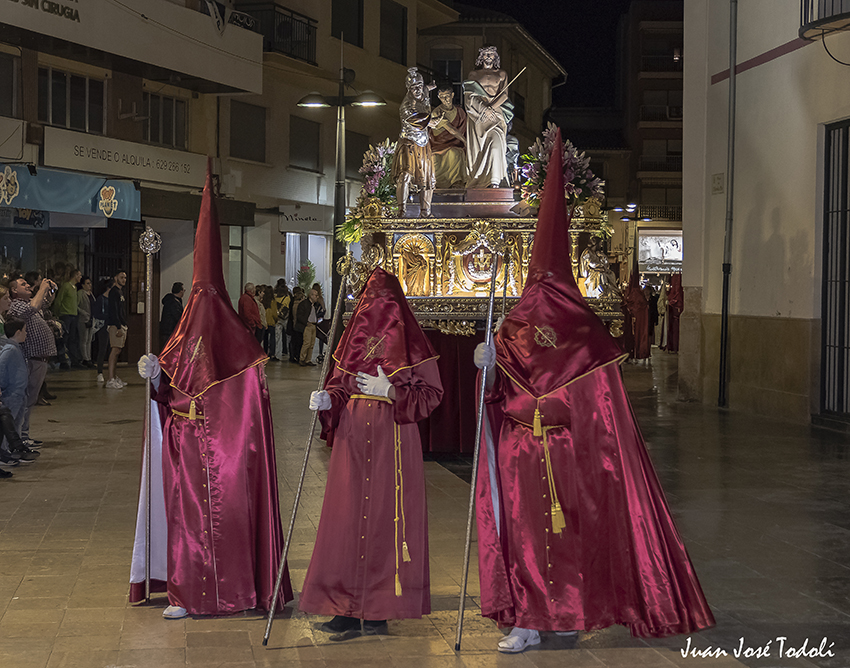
point(84, 198)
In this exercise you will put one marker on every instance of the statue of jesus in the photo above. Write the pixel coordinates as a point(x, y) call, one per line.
point(485, 96)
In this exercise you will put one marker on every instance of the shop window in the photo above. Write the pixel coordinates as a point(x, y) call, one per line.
point(71, 101)
point(347, 20)
point(166, 120)
point(304, 144)
point(394, 32)
point(247, 131)
point(355, 146)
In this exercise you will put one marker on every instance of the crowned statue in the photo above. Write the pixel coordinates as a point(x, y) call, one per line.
point(594, 267)
point(448, 140)
point(412, 162)
point(485, 96)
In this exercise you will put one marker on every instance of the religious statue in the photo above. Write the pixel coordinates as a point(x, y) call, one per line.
point(412, 162)
point(485, 96)
point(448, 140)
point(599, 280)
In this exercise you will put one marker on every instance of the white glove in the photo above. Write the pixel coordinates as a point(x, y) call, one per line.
point(499, 324)
point(320, 401)
point(149, 366)
point(484, 356)
point(378, 386)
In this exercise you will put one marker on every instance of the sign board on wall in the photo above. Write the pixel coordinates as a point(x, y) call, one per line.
point(304, 218)
point(115, 157)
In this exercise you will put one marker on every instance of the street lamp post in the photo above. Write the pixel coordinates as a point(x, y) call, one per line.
point(341, 101)
point(630, 213)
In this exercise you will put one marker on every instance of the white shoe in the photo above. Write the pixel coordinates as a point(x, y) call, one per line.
point(114, 384)
point(100, 378)
point(174, 612)
point(518, 640)
point(122, 382)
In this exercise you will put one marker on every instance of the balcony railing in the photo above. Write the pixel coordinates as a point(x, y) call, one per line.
point(661, 64)
point(661, 163)
point(819, 18)
point(660, 211)
point(660, 113)
point(285, 31)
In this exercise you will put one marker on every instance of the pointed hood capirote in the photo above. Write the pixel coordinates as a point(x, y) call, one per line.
point(210, 344)
point(552, 337)
point(382, 331)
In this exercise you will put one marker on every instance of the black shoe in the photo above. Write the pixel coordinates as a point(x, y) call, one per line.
point(48, 395)
point(340, 624)
point(64, 366)
point(375, 627)
point(32, 444)
point(26, 456)
point(5, 474)
point(8, 460)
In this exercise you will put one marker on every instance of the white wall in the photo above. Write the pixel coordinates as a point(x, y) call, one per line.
point(781, 107)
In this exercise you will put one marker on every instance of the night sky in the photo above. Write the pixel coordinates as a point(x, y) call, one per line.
point(580, 34)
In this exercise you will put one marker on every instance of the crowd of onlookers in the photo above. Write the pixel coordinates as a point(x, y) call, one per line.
point(286, 323)
point(47, 325)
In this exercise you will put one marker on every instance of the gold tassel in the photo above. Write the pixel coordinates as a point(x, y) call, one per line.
point(193, 415)
point(538, 427)
point(404, 551)
point(558, 521)
point(397, 585)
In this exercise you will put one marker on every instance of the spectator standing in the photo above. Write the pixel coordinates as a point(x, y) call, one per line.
point(270, 308)
point(305, 322)
point(258, 297)
point(85, 302)
point(172, 311)
point(116, 324)
point(40, 344)
point(282, 299)
point(296, 337)
point(249, 312)
point(65, 308)
point(321, 325)
point(99, 331)
point(5, 303)
point(13, 385)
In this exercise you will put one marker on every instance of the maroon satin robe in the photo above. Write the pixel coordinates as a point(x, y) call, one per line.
point(620, 559)
point(224, 533)
point(358, 551)
point(639, 311)
point(675, 304)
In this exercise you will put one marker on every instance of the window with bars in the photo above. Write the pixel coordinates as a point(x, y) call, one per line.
point(71, 101)
point(835, 308)
point(166, 120)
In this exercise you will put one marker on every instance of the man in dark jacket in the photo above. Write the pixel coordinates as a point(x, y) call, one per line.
point(116, 324)
point(172, 309)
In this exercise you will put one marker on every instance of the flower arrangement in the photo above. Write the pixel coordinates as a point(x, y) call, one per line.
point(378, 187)
point(580, 184)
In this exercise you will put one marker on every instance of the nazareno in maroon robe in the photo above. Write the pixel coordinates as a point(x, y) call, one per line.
point(638, 309)
point(218, 462)
point(370, 560)
point(573, 528)
point(675, 304)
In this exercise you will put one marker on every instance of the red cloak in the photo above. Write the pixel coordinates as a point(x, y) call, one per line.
point(370, 560)
point(638, 309)
point(675, 304)
point(573, 528)
point(219, 475)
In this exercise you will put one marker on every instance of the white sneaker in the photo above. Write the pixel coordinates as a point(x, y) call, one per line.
point(100, 378)
point(123, 383)
point(114, 384)
point(174, 612)
point(518, 640)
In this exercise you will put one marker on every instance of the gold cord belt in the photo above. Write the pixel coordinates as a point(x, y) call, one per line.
point(542, 431)
point(191, 415)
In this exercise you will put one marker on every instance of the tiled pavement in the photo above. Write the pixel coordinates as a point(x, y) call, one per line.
point(762, 505)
